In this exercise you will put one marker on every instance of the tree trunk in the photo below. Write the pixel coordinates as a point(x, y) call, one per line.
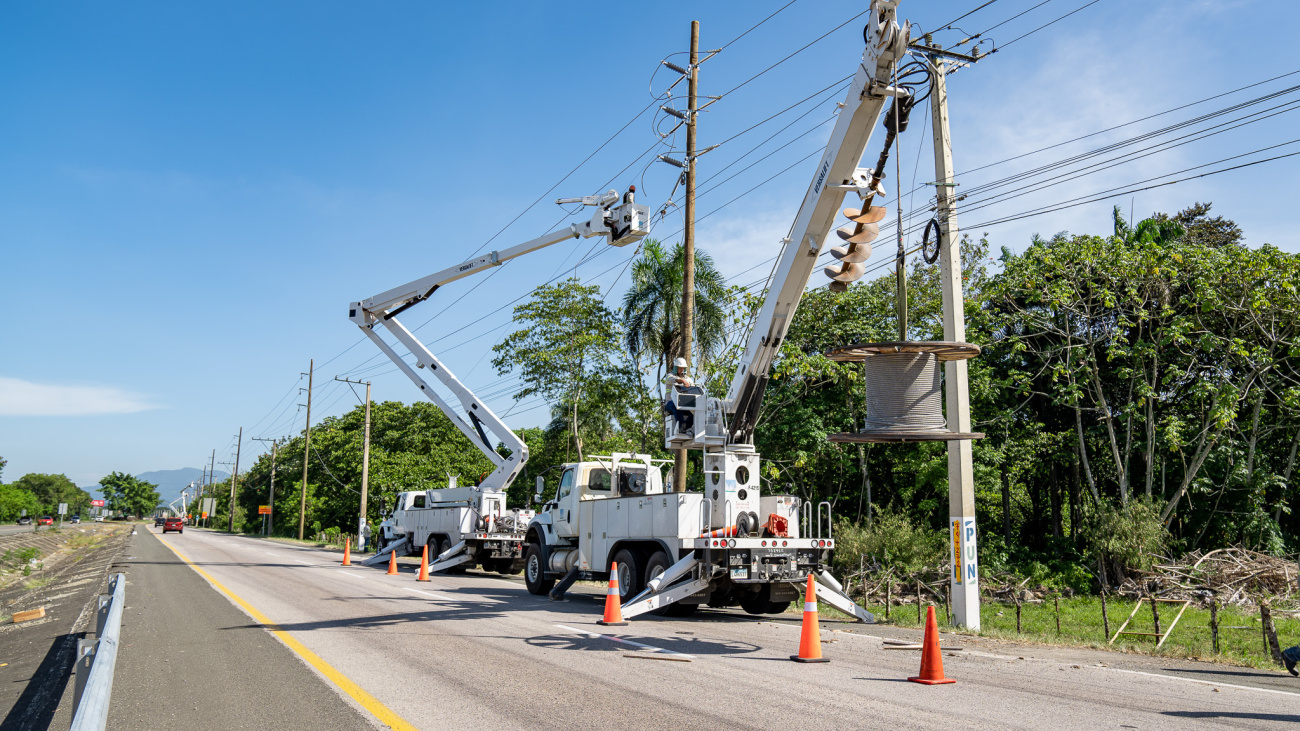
point(1006, 505)
point(1286, 478)
point(1075, 496)
point(1054, 495)
point(1082, 450)
point(1109, 420)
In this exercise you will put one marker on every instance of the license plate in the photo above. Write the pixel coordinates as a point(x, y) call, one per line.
point(740, 573)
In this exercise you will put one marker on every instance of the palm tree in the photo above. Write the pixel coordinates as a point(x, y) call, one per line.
point(652, 306)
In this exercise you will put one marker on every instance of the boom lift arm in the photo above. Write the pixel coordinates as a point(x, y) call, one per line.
point(621, 223)
point(836, 174)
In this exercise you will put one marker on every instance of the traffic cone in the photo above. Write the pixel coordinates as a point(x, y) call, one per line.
point(931, 657)
point(810, 640)
point(424, 565)
point(392, 563)
point(347, 553)
point(613, 600)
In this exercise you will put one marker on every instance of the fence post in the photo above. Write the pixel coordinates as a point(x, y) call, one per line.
point(1056, 599)
point(1271, 646)
point(1105, 619)
point(1017, 596)
point(1214, 623)
point(889, 594)
point(918, 601)
point(1155, 613)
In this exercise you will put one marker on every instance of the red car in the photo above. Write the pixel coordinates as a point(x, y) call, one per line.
point(45, 520)
point(176, 524)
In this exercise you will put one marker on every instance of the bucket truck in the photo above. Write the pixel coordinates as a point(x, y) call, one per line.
point(729, 544)
point(470, 525)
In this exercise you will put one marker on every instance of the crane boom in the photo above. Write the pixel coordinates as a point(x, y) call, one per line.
point(621, 224)
point(836, 173)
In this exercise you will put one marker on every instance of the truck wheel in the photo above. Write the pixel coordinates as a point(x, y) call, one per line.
point(658, 564)
point(535, 572)
point(631, 576)
point(506, 567)
point(761, 602)
point(443, 547)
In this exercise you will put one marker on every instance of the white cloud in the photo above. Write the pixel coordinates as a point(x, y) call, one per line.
point(24, 398)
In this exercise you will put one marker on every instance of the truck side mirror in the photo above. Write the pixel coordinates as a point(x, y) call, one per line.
point(541, 485)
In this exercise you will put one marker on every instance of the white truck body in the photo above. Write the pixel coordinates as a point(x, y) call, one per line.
point(442, 519)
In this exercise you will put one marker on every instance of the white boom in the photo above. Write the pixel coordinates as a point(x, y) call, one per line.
point(621, 223)
point(836, 174)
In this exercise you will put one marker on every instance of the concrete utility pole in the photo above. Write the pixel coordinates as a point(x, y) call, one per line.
point(365, 467)
point(306, 450)
point(688, 274)
point(207, 491)
point(961, 478)
point(234, 479)
point(270, 519)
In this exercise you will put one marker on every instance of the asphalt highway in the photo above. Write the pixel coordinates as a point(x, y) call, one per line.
point(477, 651)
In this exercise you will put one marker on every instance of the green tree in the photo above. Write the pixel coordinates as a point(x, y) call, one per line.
point(50, 490)
point(652, 307)
point(565, 349)
point(129, 495)
point(14, 500)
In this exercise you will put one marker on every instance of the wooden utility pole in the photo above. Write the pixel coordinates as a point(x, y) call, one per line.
point(234, 479)
point(306, 451)
point(688, 264)
point(964, 580)
point(365, 464)
point(270, 519)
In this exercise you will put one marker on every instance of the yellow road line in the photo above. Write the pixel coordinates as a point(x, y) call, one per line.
point(367, 701)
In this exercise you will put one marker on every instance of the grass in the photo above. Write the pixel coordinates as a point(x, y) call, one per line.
point(1082, 626)
point(37, 583)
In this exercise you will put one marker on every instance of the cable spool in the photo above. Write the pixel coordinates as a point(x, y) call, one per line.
point(904, 390)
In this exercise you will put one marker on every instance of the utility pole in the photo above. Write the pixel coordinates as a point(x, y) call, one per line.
point(270, 519)
point(306, 450)
point(207, 491)
point(688, 274)
point(365, 468)
point(964, 580)
point(234, 479)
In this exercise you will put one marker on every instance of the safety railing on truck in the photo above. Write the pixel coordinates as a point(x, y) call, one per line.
point(96, 660)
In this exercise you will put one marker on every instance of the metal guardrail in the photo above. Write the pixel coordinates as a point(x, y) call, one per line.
point(96, 660)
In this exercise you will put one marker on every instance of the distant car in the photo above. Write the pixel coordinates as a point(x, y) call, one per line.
point(99, 519)
point(46, 520)
point(158, 521)
point(25, 520)
point(75, 519)
point(175, 524)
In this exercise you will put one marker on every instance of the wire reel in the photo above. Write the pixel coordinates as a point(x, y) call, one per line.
point(931, 257)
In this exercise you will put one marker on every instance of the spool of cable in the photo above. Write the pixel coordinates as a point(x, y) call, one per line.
point(904, 390)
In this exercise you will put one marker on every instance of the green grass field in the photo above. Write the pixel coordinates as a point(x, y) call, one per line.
point(1240, 637)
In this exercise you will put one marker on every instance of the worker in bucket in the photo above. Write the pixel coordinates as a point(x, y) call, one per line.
point(679, 381)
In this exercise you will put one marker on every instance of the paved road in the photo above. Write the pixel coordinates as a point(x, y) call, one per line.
point(475, 651)
point(189, 658)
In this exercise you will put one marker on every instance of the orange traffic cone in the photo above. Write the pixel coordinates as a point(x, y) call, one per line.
point(931, 657)
point(392, 563)
point(424, 565)
point(810, 640)
point(613, 598)
point(347, 553)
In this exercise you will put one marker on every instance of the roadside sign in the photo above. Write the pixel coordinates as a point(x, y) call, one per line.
point(98, 503)
point(204, 515)
point(63, 508)
point(263, 509)
point(24, 512)
point(209, 504)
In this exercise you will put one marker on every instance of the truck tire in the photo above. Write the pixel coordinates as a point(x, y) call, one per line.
point(658, 564)
point(631, 573)
point(505, 566)
point(535, 572)
point(443, 546)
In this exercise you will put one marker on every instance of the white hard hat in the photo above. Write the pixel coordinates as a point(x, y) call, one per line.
point(679, 363)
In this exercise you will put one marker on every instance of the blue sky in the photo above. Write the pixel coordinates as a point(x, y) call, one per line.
point(190, 195)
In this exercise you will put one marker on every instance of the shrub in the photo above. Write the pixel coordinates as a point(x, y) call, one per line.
point(1125, 540)
point(892, 540)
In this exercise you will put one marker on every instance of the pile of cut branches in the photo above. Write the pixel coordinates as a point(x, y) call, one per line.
point(1236, 576)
